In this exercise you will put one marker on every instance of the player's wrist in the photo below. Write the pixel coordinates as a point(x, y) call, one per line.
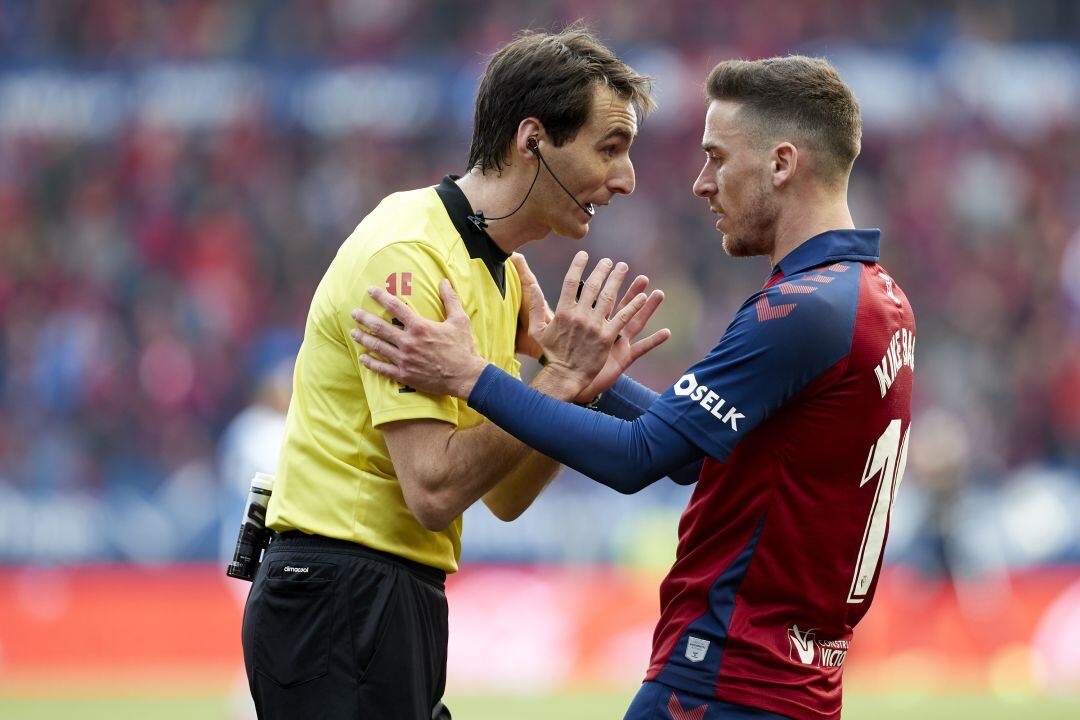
point(468, 379)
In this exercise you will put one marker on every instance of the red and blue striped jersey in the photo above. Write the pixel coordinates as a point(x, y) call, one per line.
point(804, 410)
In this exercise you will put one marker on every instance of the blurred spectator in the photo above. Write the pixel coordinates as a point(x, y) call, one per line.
point(251, 442)
point(175, 177)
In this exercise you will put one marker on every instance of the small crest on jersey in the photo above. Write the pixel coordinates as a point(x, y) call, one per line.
point(696, 649)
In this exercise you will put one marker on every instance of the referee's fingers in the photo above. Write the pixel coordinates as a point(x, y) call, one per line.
point(523, 270)
point(395, 307)
point(538, 309)
point(530, 288)
point(591, 290)
point(605, 301)
point(568, 295)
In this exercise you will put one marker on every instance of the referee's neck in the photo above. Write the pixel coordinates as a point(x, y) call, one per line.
point(498, 195)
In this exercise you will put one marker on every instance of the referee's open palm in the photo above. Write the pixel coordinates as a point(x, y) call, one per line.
point(588, 336)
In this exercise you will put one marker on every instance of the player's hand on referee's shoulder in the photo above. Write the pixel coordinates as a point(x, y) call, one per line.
point(435, 357)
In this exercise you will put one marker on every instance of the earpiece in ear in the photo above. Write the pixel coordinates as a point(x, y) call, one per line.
point(533, 144)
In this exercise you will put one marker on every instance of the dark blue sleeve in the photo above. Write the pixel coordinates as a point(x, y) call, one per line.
point(624, 455)
point(628, 399)
point(780, 341)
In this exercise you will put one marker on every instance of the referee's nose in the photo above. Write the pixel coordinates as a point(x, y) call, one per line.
point(621, 180)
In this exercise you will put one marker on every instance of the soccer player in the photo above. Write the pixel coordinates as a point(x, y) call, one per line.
point(800, 413)
point(347, 617)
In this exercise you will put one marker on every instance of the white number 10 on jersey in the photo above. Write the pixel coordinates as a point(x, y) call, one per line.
point(886, 461)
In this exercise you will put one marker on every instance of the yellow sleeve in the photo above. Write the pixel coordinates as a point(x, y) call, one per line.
point(411, 271)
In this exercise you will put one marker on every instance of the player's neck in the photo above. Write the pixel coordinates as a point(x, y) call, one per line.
point(498, 195)
point(804, 220)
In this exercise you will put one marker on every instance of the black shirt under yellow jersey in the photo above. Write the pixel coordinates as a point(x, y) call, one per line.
point(335, 476)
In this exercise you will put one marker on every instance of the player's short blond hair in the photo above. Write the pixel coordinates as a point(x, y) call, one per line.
point(802, 98)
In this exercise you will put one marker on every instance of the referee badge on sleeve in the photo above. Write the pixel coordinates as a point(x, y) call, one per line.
point(399, 283)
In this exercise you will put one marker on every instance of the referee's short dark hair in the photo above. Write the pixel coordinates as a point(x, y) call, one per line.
point(549, 76)
point(797, 96)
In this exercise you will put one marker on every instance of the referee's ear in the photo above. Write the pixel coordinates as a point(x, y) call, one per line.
point(530, 127)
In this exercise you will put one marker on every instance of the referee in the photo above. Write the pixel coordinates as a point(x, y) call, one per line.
point(347, 617)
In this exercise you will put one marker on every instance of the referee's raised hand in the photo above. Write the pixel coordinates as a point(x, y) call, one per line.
point(591, 338)
point(531, 297)
point(627, 348)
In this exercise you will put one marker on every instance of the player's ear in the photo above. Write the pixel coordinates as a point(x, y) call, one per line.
point(782, 162)
point(527, 128)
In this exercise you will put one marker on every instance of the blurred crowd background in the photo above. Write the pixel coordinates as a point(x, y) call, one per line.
point(176, 176)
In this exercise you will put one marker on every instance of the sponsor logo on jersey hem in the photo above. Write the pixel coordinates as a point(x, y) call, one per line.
point(688, 386)
point(696, 649)
point(804, 647)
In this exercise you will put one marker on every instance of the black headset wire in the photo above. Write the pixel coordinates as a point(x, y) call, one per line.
point(536, 151)
point(481, 222)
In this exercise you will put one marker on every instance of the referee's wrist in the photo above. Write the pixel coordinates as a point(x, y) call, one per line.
point(559, 382)
point(593, 404)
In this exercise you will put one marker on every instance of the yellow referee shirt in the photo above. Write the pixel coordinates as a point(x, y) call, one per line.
point(335, 477)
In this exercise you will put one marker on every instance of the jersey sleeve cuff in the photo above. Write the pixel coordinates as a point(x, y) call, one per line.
point(414, 412)
point(487, 380)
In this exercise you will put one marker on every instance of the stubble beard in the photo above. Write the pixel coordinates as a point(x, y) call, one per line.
point(755, 232)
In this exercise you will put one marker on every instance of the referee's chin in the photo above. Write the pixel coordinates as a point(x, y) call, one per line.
point(577, 231)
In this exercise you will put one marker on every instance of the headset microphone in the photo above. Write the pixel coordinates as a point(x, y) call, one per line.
point(532, 144)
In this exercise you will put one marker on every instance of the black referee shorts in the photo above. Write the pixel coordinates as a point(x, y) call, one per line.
point(333, 629)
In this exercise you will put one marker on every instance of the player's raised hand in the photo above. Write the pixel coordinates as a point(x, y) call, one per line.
point(627, 349)
point(435, 357)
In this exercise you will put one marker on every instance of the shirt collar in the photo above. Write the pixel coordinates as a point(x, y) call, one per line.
point(477, 241)
point(832, 246)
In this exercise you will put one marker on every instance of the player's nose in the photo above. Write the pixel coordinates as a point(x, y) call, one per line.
point(704, 185)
